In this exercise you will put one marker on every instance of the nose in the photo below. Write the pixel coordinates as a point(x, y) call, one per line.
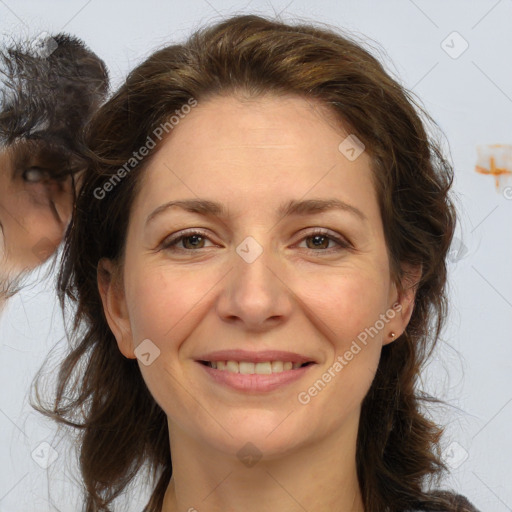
point(255, 293)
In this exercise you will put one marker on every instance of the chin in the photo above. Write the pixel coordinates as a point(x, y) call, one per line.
point(271, 437)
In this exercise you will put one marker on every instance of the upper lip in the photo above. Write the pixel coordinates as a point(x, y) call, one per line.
point(255, 357)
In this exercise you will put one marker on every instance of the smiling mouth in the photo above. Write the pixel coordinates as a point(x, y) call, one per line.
point(251, 368)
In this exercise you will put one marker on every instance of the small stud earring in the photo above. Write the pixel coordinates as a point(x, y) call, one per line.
point(392, 334)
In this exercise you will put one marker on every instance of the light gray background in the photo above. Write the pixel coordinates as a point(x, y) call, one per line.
point(471, 99)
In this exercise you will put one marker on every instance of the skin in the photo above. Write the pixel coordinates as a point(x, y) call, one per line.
point(251, 156)
point(34, 212)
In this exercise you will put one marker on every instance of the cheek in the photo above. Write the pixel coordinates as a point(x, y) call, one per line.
point(348, 311)
point(160, 307)
point(37, 219)
point(160, 302)
point(346, 303)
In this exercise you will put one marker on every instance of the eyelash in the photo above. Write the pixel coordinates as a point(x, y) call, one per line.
point(170, 243)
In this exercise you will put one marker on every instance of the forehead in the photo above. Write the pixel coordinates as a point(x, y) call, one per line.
point(254, 152)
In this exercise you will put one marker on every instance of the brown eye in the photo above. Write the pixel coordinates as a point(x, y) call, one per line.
point(319, 240)
point(189, 241)
point(196, 241)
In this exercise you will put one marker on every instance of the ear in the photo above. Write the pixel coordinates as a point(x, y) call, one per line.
point(114, 305)
point(403, 303)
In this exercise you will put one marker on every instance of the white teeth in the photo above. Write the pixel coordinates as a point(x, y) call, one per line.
point(231, 366)
point(277, 366)
point(263, 368)
point(248, 368)
point(244, 367)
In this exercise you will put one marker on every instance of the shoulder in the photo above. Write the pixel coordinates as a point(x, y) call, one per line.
point(457, 501)
point(463, 504)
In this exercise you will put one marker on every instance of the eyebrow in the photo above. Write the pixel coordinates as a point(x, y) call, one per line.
point(293, 207)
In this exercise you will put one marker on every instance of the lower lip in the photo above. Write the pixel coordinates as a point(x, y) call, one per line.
point(255, 382)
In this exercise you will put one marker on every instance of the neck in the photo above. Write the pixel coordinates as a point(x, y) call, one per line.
point(317, 477)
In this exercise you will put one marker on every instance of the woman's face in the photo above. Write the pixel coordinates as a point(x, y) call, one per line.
point(255, 278)
point(34, 212)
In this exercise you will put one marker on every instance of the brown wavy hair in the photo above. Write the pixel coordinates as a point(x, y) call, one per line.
point(102, 393)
